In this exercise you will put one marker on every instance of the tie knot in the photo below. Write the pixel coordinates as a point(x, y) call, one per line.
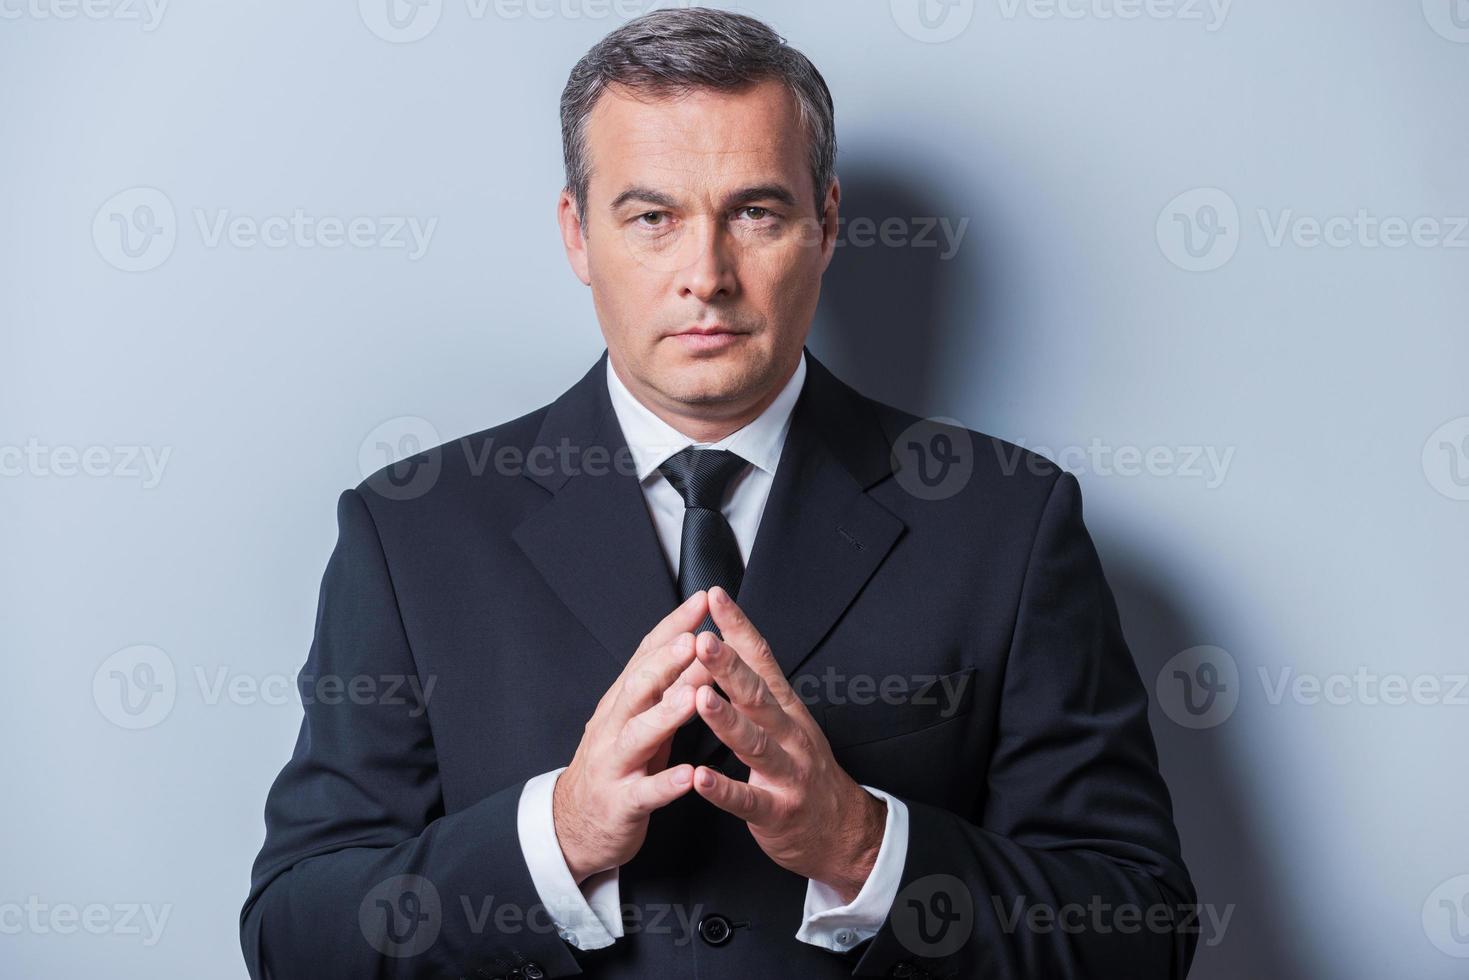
point(701, 475)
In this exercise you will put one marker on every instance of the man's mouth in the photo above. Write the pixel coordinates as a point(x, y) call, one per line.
point(714, 337)
point(706, 331)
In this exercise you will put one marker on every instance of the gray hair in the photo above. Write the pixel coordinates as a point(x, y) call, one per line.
point(678, 49)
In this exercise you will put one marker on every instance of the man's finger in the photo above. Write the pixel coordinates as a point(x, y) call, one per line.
point(685, 618)
point(745, 689)
point(696, 675)
point(741, 634)
point(660, 789)
point(647, 730)
point(751, 804)
point(752, 744)
point(643, 685)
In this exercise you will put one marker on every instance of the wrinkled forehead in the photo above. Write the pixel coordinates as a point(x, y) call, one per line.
point(698, 144)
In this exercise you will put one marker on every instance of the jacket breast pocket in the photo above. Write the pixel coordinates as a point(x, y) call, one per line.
point(927, 703)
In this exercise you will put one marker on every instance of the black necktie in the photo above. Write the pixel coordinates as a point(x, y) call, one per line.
point(709, 554)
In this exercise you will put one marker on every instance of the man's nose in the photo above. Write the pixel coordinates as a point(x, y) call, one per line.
point(710, 272)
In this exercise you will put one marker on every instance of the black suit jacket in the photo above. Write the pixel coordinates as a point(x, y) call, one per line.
point(515, 570)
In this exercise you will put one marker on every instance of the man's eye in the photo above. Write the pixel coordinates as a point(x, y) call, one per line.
point(755, 213)
point(652, 219)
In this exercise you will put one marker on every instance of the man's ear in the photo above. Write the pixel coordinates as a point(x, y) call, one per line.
point(572, 236)
point(829, 223)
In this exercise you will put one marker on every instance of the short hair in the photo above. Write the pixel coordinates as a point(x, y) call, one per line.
point(675, 50)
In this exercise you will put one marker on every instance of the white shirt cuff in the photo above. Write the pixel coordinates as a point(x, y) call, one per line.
point(589, 917)
point(837, 927)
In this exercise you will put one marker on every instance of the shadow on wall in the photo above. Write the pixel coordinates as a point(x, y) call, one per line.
point(885, 309)
point(885, 314)
point(1230, 863)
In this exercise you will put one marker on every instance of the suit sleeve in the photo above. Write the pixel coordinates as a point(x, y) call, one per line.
point(362, 873)
point(1074, 868)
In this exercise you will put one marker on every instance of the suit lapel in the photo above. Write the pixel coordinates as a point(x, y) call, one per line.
point(594, 542)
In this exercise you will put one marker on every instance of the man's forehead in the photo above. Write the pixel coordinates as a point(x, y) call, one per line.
point(702, 134)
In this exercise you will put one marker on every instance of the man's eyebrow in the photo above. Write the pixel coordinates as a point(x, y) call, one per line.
point(763, 192)
point(644, 194)
point(757, 192)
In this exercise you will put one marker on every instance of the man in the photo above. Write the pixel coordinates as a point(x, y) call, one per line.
point(712, 687)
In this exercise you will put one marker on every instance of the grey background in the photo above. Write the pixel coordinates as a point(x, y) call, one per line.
point(1327, 380)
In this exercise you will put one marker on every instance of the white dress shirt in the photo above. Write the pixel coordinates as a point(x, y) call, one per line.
point(590, 917)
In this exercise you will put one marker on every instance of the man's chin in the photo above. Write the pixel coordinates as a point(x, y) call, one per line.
point(708, 380)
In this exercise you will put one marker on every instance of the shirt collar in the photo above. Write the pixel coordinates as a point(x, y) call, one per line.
point(652, 440)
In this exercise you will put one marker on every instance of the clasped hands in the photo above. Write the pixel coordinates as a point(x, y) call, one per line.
point(806, 813)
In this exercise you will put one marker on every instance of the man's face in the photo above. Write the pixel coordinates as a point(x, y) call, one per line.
point(701, 216)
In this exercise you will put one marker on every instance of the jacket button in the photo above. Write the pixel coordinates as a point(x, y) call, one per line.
point(715, 930)
point(533, 971)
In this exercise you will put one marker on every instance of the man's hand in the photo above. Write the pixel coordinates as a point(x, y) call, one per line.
point(602, 801)
point(803, 809)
